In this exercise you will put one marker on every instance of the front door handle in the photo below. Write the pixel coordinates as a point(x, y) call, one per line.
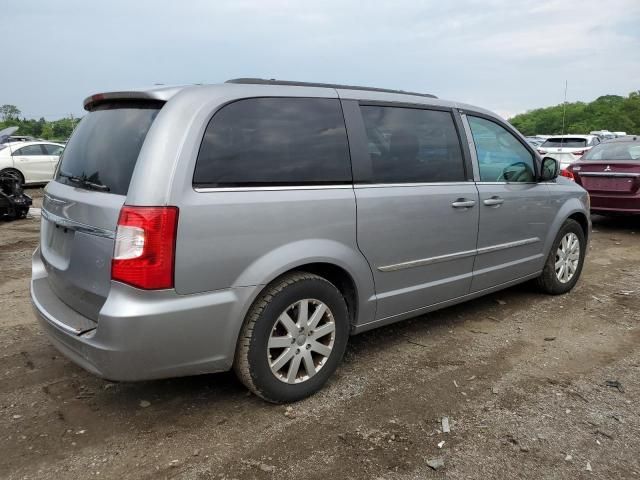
point(463, 203)
point(493, 201)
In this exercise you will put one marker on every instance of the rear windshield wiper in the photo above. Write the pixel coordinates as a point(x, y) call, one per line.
point(82, 180)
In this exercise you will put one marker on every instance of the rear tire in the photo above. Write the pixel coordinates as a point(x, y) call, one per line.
point(293, 339)
point(566, 258)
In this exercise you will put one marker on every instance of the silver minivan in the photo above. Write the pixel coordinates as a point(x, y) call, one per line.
point(257, 224)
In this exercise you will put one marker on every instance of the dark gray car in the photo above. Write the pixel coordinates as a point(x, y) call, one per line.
point(256, 224)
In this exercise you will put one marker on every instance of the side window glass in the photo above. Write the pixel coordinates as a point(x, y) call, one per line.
point(52, 149)
point(29, 150)
point(501, 157)
point(410, 145)
point(275, 141)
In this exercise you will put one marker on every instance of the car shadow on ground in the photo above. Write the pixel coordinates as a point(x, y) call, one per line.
point(629, 223)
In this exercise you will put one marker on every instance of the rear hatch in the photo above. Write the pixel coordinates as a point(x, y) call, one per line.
point(565, 150)
point(82, 205)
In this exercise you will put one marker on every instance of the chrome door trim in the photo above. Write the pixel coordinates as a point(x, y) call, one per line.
point(503, 246)
point(608, 174)
point(77, 226)
point(416, 184)
point(456, 256)
point(272, 189)
point(427, 261)
point(507, 183)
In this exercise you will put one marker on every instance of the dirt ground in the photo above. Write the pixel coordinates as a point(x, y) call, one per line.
point(521, 377)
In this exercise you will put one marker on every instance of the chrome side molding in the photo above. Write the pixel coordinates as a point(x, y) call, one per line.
point(458, 255)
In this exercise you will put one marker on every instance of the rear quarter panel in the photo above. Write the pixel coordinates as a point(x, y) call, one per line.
point(247, 238)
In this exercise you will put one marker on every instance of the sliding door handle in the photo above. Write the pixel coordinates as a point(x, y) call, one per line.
point(463, 203)
point(493, 201)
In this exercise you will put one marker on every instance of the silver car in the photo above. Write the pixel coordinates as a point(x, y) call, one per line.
point(257, 224)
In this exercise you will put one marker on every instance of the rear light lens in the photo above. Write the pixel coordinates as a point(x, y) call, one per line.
point(541, 151)
point(579, 153)
point(144, 253)
point(568, 174)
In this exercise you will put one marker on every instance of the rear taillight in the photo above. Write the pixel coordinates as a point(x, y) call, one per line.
point(144, 253)
point(568, 174)
point(541, 151)
point(578, 153)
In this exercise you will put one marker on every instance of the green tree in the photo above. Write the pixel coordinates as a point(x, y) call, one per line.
point(9, 112)
point(608, 112)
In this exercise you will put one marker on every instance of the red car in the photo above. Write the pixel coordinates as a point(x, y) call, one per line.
point(610, 172)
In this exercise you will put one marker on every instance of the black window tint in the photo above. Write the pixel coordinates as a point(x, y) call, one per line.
point(275, 141)
point(501, 157)
point(105, 145)
point(409, 145)
point(29, 150)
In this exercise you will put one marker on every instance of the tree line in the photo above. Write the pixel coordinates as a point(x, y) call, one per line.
point(11, 116)
point(609, 112)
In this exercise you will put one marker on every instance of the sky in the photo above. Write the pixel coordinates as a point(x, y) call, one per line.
point(507, 56)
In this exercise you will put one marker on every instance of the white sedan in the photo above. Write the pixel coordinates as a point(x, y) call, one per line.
point(567, 149)
point(32, 162)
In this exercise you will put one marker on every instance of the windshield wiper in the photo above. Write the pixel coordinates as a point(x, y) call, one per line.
point(82, 180)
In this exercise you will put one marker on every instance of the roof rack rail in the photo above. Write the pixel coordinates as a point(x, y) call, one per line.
point(273, 81)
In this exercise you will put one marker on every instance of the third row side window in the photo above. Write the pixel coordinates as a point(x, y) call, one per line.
point(275, 141)
point(410, 145)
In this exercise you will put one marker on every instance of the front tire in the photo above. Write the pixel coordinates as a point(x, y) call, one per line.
point(566, 258)
point(293, 339)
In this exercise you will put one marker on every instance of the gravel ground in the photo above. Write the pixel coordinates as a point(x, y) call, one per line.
point(521, 377)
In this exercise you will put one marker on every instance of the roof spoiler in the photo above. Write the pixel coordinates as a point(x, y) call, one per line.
point(161, 94)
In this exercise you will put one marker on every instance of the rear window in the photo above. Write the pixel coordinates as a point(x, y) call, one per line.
point(105, 146)
point(614, 151)
point(565, 143)
point(275, 141)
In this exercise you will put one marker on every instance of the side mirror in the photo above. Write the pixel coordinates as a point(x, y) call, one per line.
point(550, 169)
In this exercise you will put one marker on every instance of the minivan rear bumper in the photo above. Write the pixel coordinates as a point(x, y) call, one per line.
point(144, 335)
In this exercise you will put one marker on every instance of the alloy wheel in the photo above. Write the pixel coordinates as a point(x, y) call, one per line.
point(301, 341)
point(567, 257)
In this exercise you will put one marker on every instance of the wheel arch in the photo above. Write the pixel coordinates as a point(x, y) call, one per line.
point(339, 277)
point(340, 264)
point(573, 209)
point(582, 219)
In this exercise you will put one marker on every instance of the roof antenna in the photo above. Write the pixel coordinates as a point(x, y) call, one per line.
point(564, 109)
